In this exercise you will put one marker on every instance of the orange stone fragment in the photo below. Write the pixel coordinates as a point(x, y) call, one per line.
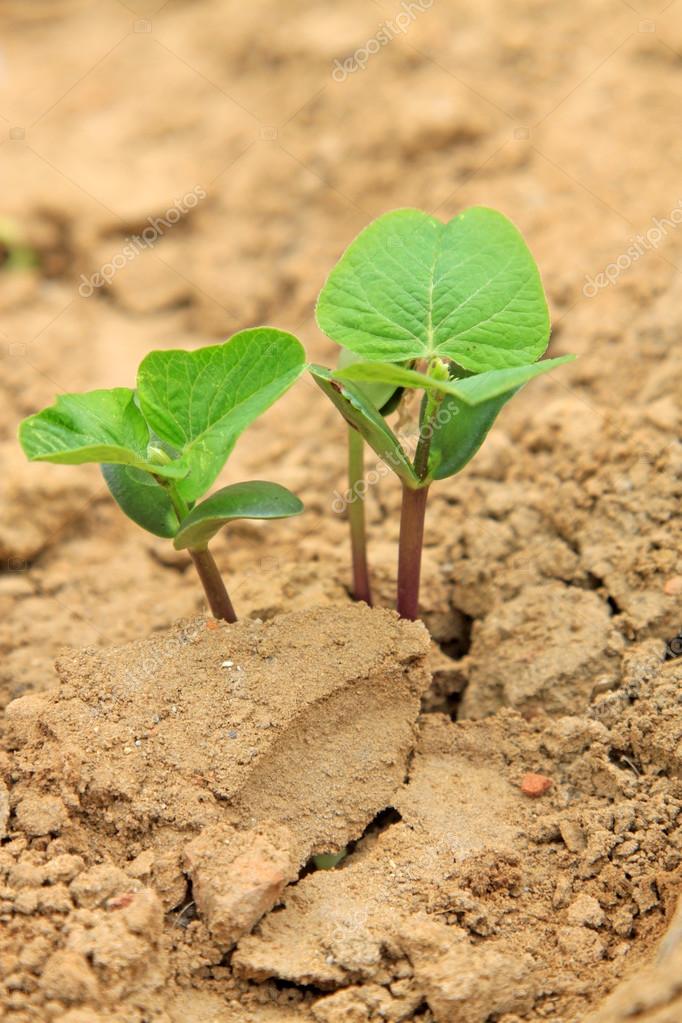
point(535, 785)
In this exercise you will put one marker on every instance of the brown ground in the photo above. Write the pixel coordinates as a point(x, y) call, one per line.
point(552, 569)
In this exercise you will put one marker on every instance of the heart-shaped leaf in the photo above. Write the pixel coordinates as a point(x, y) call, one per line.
point(412, 287)
point(201, 401)
point(359, 412)
point(98, 426)
point(142, 499)
point(481, 387)
point(253, 500)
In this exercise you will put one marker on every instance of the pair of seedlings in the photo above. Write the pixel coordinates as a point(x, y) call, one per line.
point(455, 312)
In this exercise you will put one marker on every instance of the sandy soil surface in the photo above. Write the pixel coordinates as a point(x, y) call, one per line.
point(552, 575)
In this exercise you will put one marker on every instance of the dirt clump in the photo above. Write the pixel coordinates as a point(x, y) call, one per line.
point(516, 661)
point(145, 774)
point(211, 724)
point(490, 902)
point(237, 876)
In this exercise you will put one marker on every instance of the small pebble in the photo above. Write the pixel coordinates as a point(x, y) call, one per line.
point(673, 586)
point(535, 785)
point(227, 664)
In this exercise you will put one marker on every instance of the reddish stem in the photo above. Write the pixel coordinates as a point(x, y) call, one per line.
point(214, 587)
point(410, 553)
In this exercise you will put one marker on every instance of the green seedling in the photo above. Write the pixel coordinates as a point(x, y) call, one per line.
point(456, 311)
point(163, 445)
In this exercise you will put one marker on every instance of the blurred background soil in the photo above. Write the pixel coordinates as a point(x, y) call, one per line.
point(557, 549)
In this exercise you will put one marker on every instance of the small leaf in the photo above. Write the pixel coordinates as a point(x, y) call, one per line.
point(378, 391)
point(142, 499)
point(98, 426)
point(252, 500)
point(473, 390)
point(461, 427)
point(412, 287)
point(361, 413)
point(482, 387)
point(459, 432)
point(201, 401)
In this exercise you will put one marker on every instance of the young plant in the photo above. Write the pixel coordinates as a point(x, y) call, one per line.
point(162, 445)
point(455, 310)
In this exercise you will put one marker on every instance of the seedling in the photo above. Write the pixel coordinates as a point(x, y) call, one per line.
point(162, 446)
point(456, 311)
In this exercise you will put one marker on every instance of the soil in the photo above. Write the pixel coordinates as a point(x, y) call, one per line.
point(514, 851)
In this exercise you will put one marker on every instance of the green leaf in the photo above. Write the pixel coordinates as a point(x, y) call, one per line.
point(459, 432)
point(201, 401)
point(461, 427)
point(142, 499)
point(252, 500)
point(412, 287)
point(359, 412)
point(473, 390)
point(98, 426)
point(379, 391)
point(482, 387)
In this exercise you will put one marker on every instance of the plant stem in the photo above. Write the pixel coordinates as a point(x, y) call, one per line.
point(214, 587)
point(410, 551)
point(421, 455)
point(362, 589)
point(204, 562)
point(179, 503)
point(412, 518)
